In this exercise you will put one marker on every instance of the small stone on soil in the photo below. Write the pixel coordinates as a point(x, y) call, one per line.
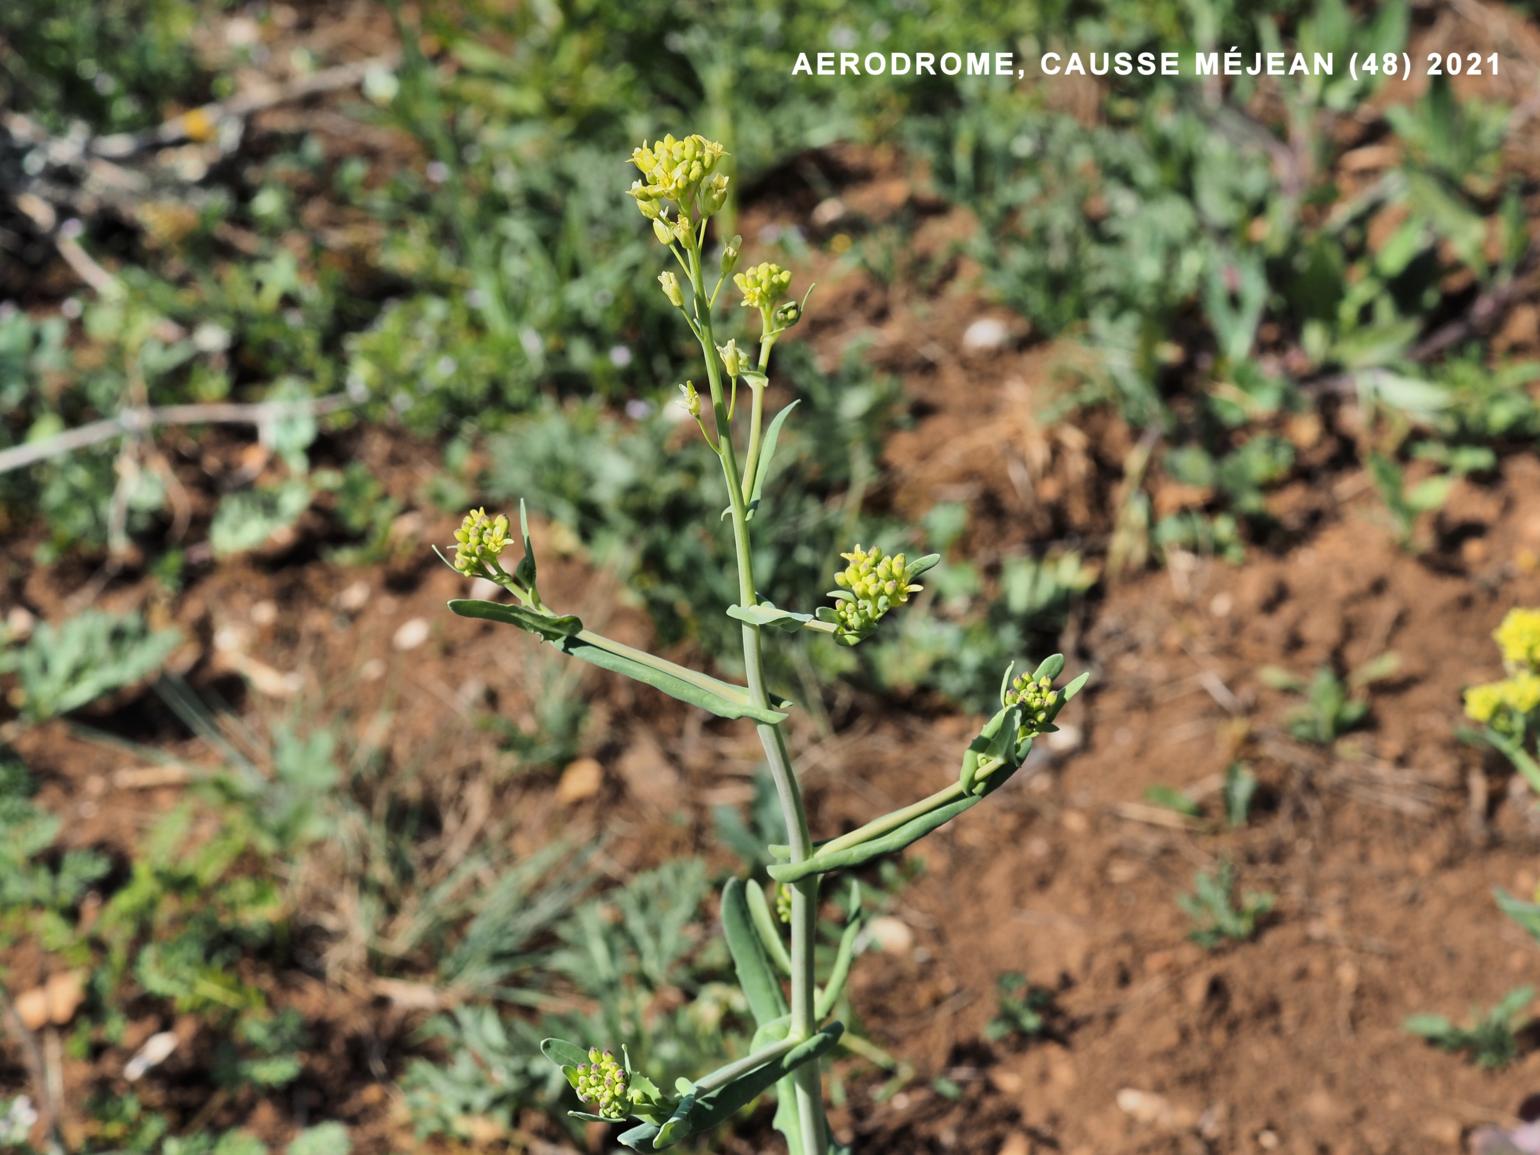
point(354, 597)
point(985, 334)
point(412, 633)
point(891, 935)
point(580, 781)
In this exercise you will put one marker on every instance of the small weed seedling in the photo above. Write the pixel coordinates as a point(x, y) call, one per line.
point(1025, 1009)
point(1239, 792)
point(1525, 915)
point(1216, 917)
point(1332, 705)
point(682, 187)
point(1491, 1041)
point(1509, 710)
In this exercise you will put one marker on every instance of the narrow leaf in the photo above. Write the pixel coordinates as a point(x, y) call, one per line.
point(765, 924)
point(766, 452)
point(551, 627)
point(766, 614)
point(835, 987)
point(755, 974)
point(640, 1137)
point(723, 699)
point(1050, 667)
point(717, 1107)
point(525, 573)
point(923, 564)
point(895, 840)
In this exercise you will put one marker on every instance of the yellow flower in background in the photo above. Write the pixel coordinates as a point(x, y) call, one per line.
point(1519, 639)
point(1505, 705)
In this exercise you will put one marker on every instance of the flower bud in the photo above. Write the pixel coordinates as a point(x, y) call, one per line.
point(690, 399)
point(788, 315)
point(713, 194)
point(661, 230)
point(763, 286)
point(730, 255)
point(1039, 701)
point(670, 284)
point(732, 357)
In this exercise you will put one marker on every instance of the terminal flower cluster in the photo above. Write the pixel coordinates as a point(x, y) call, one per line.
point(478, 543)
point(1038, 700)
point(871, 585)
point(764, 285)
point(681, 173)
point(602, 1083)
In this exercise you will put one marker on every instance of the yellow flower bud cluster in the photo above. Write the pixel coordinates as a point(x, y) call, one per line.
point(1519, 639)
point(1038, 700)
point(763, 285)
point(601, 1083)
point(1511, 707)
point(479, 541)
point(872, 584)
point(681, 173)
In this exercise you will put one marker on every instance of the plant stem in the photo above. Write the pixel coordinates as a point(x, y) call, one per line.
point(804, 894)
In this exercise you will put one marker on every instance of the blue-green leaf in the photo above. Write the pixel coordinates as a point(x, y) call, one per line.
point(835, 987)
point(717, 1107)
point(563, 1053)
point(765, 924)
point(894, 840)
point(566, 633)
point(766, 452)
point(524, 574)
point(767, 614)
point(756, 975)
point(551, 627)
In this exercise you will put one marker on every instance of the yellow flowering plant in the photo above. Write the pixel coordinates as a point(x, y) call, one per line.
point(1509, 709)
point(681, 186)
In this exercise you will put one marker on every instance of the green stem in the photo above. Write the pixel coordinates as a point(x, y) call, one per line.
point(804, 894)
